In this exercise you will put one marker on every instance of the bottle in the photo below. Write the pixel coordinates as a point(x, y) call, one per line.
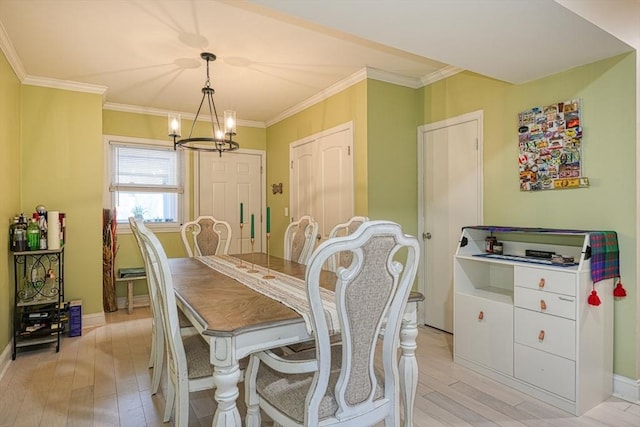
point(63, 226)
point(12, 230)
point(33, 235)
point(20, 235)
point(43, 237)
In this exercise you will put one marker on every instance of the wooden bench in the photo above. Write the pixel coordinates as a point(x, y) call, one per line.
point(128, 276)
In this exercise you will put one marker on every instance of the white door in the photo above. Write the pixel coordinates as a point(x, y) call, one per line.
point(451, 197)
point(322, 178)
point(301, 179)
point(226, 181)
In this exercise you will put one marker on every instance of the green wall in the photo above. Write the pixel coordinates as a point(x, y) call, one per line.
point(607, 90)
point(9, 188)
point(392, 120)
point(345, 106)
point(61, 143)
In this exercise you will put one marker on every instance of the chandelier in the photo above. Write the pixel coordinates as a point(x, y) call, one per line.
point(222, 137)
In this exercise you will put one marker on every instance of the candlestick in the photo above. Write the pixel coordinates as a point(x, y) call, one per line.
point(268, 220)
point(268, 275)
point(241, 225)
point(253, 269)
point(241, 215)
point(252, 228)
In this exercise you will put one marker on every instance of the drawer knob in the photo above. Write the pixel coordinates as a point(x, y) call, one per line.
point(541, 336)
point(543, 305)
point(541, 283)
point(481, 315)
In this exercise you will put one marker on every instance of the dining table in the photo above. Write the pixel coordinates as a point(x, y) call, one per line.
point(237, 320)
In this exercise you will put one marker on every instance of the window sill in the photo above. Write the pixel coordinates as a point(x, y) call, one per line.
point(156, 227)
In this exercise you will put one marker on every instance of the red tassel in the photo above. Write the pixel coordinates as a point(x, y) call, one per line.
point(593, 299)
point(619, 291)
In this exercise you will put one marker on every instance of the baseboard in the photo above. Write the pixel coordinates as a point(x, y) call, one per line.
point(5, 360)
point(93, 319)
point(626, 388)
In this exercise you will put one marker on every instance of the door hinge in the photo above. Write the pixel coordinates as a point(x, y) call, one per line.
point(291, 164)
point(348, 150)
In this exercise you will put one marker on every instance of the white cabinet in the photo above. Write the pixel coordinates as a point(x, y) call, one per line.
point(525, 321)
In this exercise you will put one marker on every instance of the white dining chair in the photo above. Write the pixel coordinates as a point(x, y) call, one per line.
point(188, 365)
point(299, 239)
point(343, 259)
point(342, 384)
point(206, 235)
point(157, 351)
point(156, 356)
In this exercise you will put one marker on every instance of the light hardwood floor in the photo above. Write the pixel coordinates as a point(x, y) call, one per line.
point(102, 379)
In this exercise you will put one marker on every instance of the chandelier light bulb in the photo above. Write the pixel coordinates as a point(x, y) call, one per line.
point(174, 125)
point(230, 122)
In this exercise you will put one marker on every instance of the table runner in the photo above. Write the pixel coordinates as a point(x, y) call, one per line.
point(285, 289)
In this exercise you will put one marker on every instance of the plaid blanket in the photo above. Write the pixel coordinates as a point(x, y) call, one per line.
point(605, 255)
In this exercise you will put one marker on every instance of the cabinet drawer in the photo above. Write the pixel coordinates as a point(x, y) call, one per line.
point(545, 332)
point(560, 282)
point(547, 371)
point(545, 302)
point(483, 332)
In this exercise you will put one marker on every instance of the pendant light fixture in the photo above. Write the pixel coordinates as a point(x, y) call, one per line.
point(221, 138)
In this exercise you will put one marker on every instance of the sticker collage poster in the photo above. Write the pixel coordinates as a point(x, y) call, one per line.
point(550, 147)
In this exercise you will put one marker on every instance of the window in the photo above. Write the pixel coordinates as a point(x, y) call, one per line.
point(146, 179)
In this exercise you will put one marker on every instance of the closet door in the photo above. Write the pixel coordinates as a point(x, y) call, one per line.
point(450, 180)
point(321, 178)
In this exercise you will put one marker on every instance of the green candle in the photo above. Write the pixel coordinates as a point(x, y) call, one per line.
point(241, 214)
point(268, 219)
point(252, 227)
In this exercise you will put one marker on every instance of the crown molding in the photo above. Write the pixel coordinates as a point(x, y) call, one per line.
point(14, 60)
point(125, 108)
point(11, 54)
point(358, 76)
point(397, 79)
point(441, 74)
point(354, 78)
point(65, 84)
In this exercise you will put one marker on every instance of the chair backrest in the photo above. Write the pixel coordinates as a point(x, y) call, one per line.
point(371, 292)
point(206, 235)
point(299, 239)
point(343, 259)
point(159, 275)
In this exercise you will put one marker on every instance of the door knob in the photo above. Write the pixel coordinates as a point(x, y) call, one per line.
point(426, 235)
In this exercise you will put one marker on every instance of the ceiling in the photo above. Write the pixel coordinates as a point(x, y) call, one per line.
point(274, 55)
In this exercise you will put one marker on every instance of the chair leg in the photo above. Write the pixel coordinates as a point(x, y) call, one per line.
point(182, 406)
point(152, 353)
point(251, 397)
point(158, 363)
point(169, 401)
